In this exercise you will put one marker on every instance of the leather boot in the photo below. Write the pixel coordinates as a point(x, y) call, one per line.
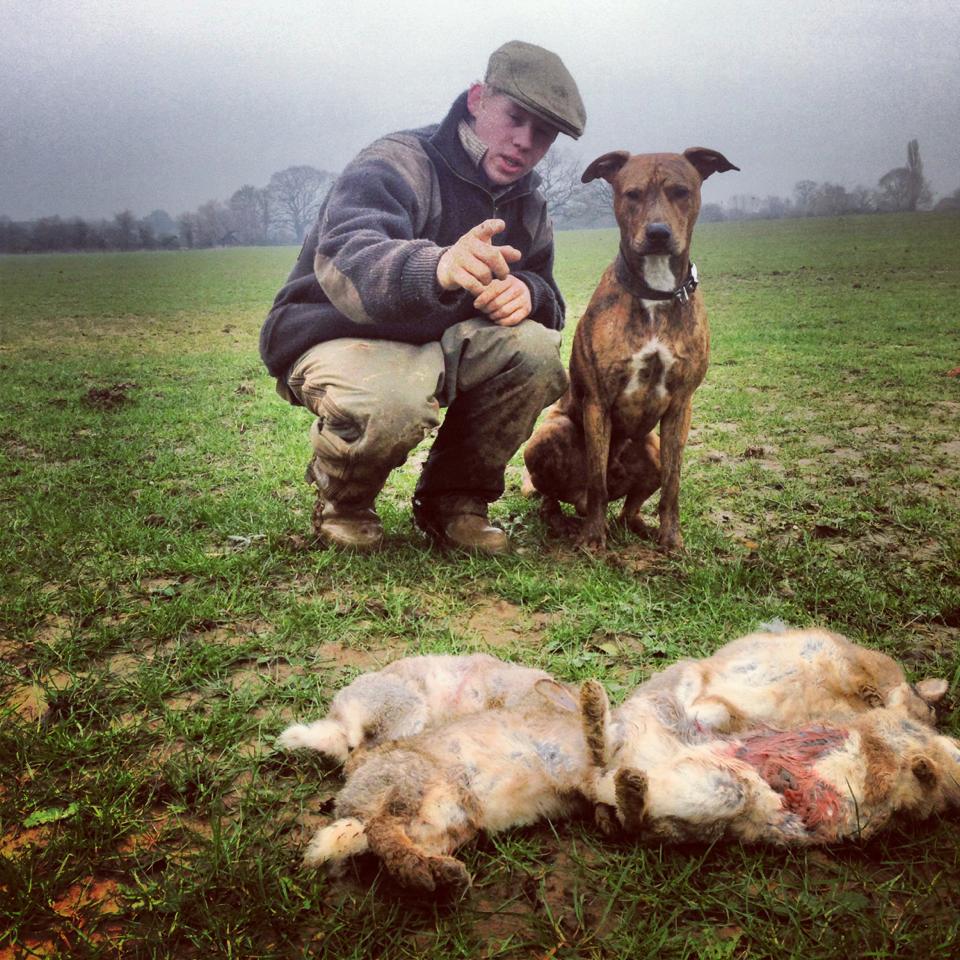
point(352, 527)
point(465, 531)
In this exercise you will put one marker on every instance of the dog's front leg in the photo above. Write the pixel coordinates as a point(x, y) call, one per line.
point(674, 428)
point(596, 436)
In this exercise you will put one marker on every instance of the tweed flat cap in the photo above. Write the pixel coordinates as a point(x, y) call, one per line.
point(539, 82)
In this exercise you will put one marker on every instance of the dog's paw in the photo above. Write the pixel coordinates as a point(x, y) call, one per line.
point(591, 536)
point(636, 525)
point(558, 524)
point(670, 540)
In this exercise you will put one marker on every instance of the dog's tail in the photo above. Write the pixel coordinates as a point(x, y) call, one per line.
point(337, 842)
point(325, 736)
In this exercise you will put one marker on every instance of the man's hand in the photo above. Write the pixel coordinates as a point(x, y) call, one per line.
point(473, 261)
point(505, 302)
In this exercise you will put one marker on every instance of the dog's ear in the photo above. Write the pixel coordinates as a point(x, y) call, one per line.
point(932, 690)
point(708, 161)
point(607, 166)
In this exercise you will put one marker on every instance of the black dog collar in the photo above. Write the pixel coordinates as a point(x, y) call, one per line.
point(640, 289)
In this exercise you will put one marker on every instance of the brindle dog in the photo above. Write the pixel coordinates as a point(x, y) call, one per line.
point(639, 353)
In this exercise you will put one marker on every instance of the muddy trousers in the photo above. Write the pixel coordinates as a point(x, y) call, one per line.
point(375, 400)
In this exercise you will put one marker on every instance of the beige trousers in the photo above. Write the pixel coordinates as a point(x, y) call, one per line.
point(375, 400)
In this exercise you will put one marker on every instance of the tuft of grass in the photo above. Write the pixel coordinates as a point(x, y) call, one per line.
point(164, 613)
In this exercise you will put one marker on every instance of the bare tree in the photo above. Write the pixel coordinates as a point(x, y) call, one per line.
point(915, 169)
point(711, 213)
point(829, 200)
point(187, 225)
point(894, 191)
point(146, 238)
point(214, 224)
point(297, 193)
point(863, 199)
point(124, 229)
point(906, 188)
point(591, 204)
point(250, 207)
point(803, 192)
point(264, 207)
point(78, 234)
point(560, 177)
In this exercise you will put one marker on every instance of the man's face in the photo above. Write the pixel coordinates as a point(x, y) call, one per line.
point(516, 140)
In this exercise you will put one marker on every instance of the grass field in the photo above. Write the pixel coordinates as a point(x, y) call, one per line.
point(164, 614)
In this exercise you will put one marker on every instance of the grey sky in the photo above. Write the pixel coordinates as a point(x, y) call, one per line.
point(112, 105)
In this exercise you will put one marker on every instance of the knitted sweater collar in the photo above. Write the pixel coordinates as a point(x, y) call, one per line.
point(447, 142)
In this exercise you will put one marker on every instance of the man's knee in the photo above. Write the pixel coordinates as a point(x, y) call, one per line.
point(538, 349)
point(525, 353)
point(381, 429)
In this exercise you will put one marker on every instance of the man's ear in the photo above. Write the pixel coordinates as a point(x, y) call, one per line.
point(607, 166)
point(475, 95)
point(708, 161)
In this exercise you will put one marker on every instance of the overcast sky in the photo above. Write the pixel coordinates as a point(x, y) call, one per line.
point(109, 105)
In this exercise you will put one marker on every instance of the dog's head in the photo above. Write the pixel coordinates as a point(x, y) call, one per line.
point(656, 196)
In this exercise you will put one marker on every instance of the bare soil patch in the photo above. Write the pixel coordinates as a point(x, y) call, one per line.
point(108, 398)
point(500, 623)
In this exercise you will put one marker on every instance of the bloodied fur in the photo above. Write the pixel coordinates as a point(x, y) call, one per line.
point(810, 785)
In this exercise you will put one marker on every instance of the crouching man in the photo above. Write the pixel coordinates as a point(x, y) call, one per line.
point(427, 282)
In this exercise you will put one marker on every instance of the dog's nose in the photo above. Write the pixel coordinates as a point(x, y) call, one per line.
point(658, 232)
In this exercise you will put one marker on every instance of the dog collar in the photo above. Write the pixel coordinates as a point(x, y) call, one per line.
point(640, 289)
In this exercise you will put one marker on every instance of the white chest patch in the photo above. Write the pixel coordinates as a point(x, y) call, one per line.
point(656, 355)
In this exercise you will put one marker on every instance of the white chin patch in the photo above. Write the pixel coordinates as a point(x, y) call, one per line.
point(658, 275)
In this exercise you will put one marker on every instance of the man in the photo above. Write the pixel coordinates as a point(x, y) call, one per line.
point(427, 282)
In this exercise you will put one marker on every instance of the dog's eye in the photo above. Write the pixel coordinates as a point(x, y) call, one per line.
point(633, 194)
point(679, 193)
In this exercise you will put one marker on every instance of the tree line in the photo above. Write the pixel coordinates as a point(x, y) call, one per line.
point(282, 211)
point(899, 190)
point(278, 213)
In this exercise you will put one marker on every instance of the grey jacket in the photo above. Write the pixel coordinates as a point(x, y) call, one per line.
point(368, 266)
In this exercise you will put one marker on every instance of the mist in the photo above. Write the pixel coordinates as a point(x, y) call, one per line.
point(109, 106)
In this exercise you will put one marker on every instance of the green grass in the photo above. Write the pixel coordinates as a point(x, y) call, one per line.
point(163, 613)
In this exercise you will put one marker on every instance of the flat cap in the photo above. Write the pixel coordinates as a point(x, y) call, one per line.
point(539, 82)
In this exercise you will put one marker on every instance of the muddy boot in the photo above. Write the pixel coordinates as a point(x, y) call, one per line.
point(461, 531)
point(351, 525)
point(356, 528)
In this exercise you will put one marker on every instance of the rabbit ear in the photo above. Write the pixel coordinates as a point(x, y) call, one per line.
point(557, 695)
point(932, 689)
